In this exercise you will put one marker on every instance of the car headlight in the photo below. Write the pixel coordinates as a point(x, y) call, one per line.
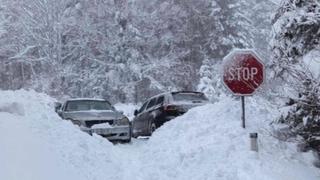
point(123, 121)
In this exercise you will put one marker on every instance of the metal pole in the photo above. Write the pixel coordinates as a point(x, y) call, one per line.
point(243, 117)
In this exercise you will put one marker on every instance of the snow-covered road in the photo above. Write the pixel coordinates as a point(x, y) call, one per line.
point(205, 143)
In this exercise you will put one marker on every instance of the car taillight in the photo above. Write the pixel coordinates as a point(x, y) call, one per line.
point(170, 108)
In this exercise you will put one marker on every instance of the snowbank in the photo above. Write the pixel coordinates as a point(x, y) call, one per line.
point(36, 144)
point(209, 143)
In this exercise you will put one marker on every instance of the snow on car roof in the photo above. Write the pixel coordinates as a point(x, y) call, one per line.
point(174, 92)
point(186, 92)
point(86, 99)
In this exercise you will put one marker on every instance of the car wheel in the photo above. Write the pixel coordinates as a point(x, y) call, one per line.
point(134, 136)
point(127, 141)
point(152, 128)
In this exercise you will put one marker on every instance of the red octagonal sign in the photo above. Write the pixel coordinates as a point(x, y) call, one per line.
point(243, 72)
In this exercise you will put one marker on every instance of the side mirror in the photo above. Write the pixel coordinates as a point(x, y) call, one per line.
point(57, 106)
point(136, 112)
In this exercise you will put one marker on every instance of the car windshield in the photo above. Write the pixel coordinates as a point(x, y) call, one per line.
point(189, 97)
point(87, 105)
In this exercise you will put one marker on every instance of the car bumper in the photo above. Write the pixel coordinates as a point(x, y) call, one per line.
point(121, 133)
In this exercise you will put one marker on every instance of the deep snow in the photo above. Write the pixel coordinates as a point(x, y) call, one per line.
point(69, 153)
point(205, 143)
point(209, 143)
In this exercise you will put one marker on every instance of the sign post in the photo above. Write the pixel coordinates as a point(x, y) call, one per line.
point(243, 73)
point(243, 117)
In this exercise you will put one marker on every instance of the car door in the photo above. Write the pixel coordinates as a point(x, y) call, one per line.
point(147, 116)
point(138, 124)
point(157, 111)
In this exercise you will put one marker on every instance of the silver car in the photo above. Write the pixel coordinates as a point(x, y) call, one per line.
point(96, 116)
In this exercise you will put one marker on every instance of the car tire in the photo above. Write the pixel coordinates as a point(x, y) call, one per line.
point(134, 136)
point(152, 128)
point(127, 141)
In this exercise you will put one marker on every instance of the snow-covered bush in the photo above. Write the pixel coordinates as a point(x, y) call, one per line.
point(210, 80)
point(296, 35)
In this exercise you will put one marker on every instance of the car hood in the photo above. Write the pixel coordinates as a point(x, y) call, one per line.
point(93, 115)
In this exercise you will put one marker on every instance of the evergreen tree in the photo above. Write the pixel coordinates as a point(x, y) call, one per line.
point(211, 80)
point(296, 25)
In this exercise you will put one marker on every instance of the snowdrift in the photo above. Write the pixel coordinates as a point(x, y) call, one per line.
point(205, 143)
point(35, 144)
point(209, 143)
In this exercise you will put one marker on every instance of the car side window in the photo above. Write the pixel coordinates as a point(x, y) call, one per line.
point(143, 107)
point(160, 100)
point(151, 103)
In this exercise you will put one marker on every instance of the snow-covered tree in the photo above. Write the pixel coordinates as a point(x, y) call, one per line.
point(296, 36)
point(211, 80)
point(118, 49)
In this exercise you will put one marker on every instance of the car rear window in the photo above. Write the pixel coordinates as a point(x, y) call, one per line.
point(189, 97)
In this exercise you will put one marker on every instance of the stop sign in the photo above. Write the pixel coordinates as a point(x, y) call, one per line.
point(243, 72)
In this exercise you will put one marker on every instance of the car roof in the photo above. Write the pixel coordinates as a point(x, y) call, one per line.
point(172, 92)
point(194, 92)
point(86, 99)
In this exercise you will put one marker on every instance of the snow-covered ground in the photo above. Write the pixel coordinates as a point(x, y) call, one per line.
point(205, 143)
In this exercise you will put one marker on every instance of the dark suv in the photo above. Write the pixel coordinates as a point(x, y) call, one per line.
point(162, 108)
